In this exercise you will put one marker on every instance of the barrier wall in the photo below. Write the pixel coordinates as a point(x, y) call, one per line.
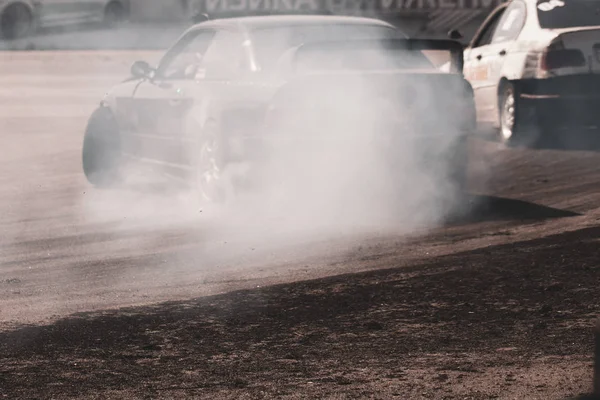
point(429, 18)
point(159, 10)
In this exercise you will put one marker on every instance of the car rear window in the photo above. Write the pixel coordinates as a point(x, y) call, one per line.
point(360, 58)
point(557, 14)
point(272, 42)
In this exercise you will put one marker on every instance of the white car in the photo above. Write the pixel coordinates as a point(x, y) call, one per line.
point(535, 67)
point(19, 18)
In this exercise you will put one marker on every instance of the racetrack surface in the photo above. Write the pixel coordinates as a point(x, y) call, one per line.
point(133, 293)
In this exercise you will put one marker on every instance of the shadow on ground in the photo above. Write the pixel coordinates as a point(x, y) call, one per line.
point(479, 208)
point(571, 140)
point(456, 319)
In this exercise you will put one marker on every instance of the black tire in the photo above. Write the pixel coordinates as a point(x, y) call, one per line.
point(101, 152)
point(516, 127)
point(115, 14)
point(16, 22)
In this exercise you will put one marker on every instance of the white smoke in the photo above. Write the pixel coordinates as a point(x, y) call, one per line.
point(320, 189)
point(338, 169)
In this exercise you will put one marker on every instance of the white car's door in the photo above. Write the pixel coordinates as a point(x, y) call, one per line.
point(485, 58)
point(498, 52)
point(479, 58)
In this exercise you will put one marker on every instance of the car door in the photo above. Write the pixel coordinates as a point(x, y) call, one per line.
point(477, 64)
point(227, 94)
point(500, 51)
point(159, 104)
point(489, 54)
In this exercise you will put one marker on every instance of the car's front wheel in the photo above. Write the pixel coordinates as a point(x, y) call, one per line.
point(101, 152)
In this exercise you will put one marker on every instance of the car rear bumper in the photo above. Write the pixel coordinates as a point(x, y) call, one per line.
point(292, 145)
point(260, 148)
point(563, 111)
point(270, 156)
point(562, 102)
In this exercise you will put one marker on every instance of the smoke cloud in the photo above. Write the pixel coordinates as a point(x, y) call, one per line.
point(351, 147)
point(355, 151)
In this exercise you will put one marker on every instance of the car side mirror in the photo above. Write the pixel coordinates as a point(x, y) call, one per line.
point(455, 34)
point(141, 69)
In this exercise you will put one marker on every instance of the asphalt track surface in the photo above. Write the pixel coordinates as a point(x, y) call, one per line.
point(121, 294)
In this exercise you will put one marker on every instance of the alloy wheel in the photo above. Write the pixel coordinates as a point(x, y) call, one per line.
point(508, 115)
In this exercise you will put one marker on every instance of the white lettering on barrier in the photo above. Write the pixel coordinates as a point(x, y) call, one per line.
point(255, 5)
point(347, 5)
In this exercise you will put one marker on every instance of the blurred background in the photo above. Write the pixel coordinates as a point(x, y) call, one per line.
point(155, 24)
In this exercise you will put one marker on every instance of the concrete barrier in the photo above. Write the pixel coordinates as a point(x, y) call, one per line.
point(159, 10)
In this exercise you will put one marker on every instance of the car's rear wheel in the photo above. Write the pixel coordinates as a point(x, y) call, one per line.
point(16, 22)
point(115, 14)
point(507, 115)
point(101, 153)
point(516, 128)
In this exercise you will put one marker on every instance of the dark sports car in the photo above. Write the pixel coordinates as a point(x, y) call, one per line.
point(228, 90)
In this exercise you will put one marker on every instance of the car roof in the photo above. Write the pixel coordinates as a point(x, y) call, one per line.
point(265, 21)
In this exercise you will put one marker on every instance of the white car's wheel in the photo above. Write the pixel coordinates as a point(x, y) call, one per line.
point(516, 127)
point(508, 114)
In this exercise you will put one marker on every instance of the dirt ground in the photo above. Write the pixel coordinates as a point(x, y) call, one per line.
point(498, 303)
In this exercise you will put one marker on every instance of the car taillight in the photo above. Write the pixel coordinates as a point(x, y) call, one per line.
point(561, 58)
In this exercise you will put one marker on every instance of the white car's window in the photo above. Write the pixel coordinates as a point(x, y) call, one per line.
point(511, 23)
point(272, 42)
point(486, 34)
point(557, 14)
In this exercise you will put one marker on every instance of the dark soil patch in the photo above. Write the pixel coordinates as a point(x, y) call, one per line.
point(417, 332)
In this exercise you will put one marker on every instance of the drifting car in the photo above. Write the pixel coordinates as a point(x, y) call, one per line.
point(534, 66)
point(227, 88)
point(19, 18)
